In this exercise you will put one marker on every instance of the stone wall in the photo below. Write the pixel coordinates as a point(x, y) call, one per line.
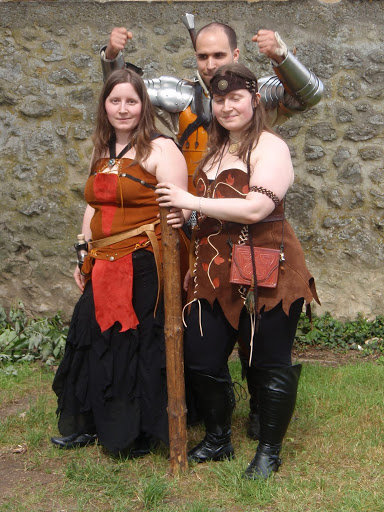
point(49, 82)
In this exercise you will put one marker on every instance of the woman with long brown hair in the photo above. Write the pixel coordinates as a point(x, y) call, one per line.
point(241, 184)
point(111, 383)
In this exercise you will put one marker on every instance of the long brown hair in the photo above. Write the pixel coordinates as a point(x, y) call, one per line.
point(104, 131)
point(219, 136)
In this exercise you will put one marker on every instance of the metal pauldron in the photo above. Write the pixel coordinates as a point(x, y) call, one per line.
point(271, 92)
point(300, 82)
point(169, 93)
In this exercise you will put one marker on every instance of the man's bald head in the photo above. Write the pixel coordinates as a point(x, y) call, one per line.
point(214, 27)
point(216, 45)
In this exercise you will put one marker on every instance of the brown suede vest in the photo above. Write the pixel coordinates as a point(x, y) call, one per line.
point(213, 253)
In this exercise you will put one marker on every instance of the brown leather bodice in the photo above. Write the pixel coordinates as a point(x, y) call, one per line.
point(213, 253)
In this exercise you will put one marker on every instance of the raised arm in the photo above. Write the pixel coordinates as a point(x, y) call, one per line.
point(168, 95)
point(295, 88)
point(111, 55)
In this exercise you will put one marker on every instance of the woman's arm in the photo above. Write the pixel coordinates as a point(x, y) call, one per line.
point(272, 170)
point(86, 229)
point(86, 226)
point(169, 165)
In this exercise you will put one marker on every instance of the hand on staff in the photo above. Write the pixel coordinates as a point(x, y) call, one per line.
point(269, 45)
point(117, 41)
point(171, 195)
point(175, 218)
point(79, 278)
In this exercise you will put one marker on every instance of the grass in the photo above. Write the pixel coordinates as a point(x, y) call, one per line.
point(333, 455)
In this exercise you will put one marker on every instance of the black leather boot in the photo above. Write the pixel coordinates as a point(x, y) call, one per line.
point(193, 413)
point(277, 399)
point(253, 429)
point(76, 440)
point(216, 400)
point(250, 374)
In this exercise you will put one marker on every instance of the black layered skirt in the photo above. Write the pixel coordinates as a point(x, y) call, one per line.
point(113, 384)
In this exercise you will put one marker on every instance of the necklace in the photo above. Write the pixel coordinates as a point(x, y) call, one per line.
point(112, 152)
point(220, 160)
point(233, 146)
point(113, 159)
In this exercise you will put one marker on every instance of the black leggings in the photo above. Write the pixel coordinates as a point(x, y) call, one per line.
point(272, 345)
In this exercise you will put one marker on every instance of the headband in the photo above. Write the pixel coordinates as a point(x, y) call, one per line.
point(223, 84)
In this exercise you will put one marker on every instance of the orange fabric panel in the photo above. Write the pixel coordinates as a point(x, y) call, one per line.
point(194, 147)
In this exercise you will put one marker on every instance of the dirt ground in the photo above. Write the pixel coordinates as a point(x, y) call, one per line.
point(330, 357)
point(17, 472)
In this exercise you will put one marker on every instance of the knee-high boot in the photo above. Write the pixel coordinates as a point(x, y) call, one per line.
point(277, 399)
point(250, 374)
point(216, 403)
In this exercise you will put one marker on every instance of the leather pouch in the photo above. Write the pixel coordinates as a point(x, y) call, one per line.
point(266, 261)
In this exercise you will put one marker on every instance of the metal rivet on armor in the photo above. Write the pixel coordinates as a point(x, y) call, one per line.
point(111, 258)
point(222, 84)
point(142, 182)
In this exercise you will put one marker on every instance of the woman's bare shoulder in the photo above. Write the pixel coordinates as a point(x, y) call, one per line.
point(271, 139)
point(270, 146)
point(164, 144)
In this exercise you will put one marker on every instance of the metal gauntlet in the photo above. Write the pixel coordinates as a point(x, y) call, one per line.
point(300, 83)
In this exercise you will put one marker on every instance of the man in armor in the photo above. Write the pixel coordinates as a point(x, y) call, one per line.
point(184, 106)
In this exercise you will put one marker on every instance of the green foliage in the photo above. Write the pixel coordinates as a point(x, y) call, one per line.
point(327, 332)
point(23, 338)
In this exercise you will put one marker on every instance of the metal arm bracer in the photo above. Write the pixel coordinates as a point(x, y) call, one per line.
point(300, 83)
point(110, 65)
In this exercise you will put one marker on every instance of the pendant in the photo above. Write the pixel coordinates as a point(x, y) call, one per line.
point(111, 163)
point(233, 148)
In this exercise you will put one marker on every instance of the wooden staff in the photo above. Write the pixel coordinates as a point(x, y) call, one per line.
point(177, 411)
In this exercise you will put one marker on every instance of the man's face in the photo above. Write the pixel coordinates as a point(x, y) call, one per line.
point(213, 51)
